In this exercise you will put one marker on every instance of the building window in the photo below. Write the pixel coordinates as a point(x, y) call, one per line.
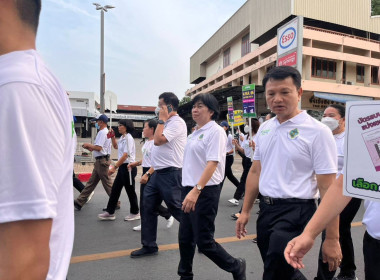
point(226, 58)
point(375, 8)
point(245, 45)
point(360, 73)
point(374, 75)
point(323, 68)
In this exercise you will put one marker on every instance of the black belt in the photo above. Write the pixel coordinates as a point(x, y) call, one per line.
point(273, 201)
point(100, 157)
point(168, 169)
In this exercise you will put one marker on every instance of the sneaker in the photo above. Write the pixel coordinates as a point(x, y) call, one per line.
point(106, 216)
point(77, 206)
point(90, 196)
point(240, 274)
point(235, 216)
point(234, 201)
point(254, 240)
point(170, 222)
point(138, 228)
point(345, 277)
point(132, 217)
point(144, 251)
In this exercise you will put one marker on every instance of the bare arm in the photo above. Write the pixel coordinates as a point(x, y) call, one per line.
point(251, 192)
point(92, 147)
point(191, 198)
point(24, 249)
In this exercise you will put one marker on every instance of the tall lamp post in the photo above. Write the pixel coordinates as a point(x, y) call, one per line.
point(102, 74)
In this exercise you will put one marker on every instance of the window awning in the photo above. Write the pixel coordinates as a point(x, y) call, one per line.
point(342, 98)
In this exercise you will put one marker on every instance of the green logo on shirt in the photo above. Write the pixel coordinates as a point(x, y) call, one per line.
point(72, 129)
point(294, 133)
point(200, 137)
point(265, 132)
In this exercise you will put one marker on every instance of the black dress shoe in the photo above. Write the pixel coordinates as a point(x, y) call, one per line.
point(234, 217)
point(77, 206)
point(144, 251)
point(240, 274)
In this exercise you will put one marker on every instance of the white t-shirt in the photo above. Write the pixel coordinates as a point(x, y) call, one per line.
point(229, 145)
point(170, 154)
point(291, 154)
point(147, 153)
point(126, 144)
point(248, 151)
point(371, 218)
point(339, 140)
point(37, 150)
point(205, 144)
point(104, 142)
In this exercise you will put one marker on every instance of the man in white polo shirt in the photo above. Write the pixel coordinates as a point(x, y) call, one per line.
point(295, 156)
point(37, 150)
point(102, 150)
point(165, 183)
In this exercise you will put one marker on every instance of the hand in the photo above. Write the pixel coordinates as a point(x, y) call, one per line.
point(297, 249)
point(332, 253)
point(190, 200)
point(85, 146)
point(163, 115)
point(252, 144)
point(144, 179)
point(241, 231)
point(112, 170)
point(234, 142)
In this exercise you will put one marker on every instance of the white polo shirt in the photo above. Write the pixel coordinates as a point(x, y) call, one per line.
point(371, 218)
point(339, 140)
point(205, 144)
point(291, 154)
point(248, 151)
point(229, 145)
point(170, 154)
point(104, 142)
point(126, 144)
point(147, 153)
point(37, 150)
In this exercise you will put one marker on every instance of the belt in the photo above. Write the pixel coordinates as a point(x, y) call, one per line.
point(273, 201)
point(168, 169)
point(100, 157)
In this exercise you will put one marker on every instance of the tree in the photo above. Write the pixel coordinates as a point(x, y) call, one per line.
point(184, 100)
point(375, 7)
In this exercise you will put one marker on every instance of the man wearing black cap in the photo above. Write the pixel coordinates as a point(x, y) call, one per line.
point(102, 151)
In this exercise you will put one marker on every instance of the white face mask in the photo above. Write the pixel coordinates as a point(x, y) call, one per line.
point(246, 129)
point(157, 111)
point(330, 122)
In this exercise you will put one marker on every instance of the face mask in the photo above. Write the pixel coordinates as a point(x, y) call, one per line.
point(157, 111)
point(97, 126)
point(330, 122)
point(246, 129)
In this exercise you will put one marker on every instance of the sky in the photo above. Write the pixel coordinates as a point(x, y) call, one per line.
point(148, 44)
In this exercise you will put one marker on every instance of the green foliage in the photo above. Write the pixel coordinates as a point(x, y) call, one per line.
point(184, 100)
point(375, 7)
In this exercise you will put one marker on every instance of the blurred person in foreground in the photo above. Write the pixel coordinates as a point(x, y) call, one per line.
point(36, 208)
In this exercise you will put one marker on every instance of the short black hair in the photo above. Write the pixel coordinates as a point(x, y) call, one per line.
point(152, 124)
point(340, 108)
point(170, 99)
point(272, 115)
point(128, 124)
point(281, 73)
point(29, 12)
point(255, 124)
point(210, 101)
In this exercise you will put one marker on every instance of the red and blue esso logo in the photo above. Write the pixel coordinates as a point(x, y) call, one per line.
point(287, 37)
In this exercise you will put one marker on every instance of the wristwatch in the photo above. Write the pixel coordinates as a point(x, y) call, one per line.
point(148, 174)
point(199, 188)
point(161, 122)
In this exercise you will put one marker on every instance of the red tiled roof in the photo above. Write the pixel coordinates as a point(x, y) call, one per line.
point(136, 108)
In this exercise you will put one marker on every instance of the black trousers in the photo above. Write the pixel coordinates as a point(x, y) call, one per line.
point(162, 211)
point(277, 224)
point(371, 252)
point(77, 183)
point(163, 185)
point(241, 187)
point(347, 267)
point(122, 179)
point(228, 171)
point(197, 228)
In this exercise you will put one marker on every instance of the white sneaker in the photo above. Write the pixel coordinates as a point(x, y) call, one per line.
point(170, 222)
point(107, 216)
point(234, 201)
point(138, 228)
point(132, 217)
point(90, 196)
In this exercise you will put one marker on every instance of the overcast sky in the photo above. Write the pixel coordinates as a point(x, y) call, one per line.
point(148, 43)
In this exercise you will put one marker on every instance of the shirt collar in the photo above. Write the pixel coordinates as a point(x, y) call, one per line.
point(206, 126)
point(297, 119)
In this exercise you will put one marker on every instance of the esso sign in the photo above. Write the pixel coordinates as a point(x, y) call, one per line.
point(287, 37)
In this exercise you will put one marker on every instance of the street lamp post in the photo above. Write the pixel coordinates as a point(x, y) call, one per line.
point(102, 74)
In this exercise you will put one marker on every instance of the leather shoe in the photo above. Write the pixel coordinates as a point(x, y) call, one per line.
point(240, 273)
point(144, 251)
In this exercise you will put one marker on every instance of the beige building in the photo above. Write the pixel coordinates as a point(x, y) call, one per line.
point(340, 51)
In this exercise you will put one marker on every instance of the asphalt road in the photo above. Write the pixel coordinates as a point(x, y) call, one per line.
point(102, 248)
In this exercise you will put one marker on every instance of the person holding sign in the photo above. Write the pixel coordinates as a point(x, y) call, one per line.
point(334, 118)
point(295, 156)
